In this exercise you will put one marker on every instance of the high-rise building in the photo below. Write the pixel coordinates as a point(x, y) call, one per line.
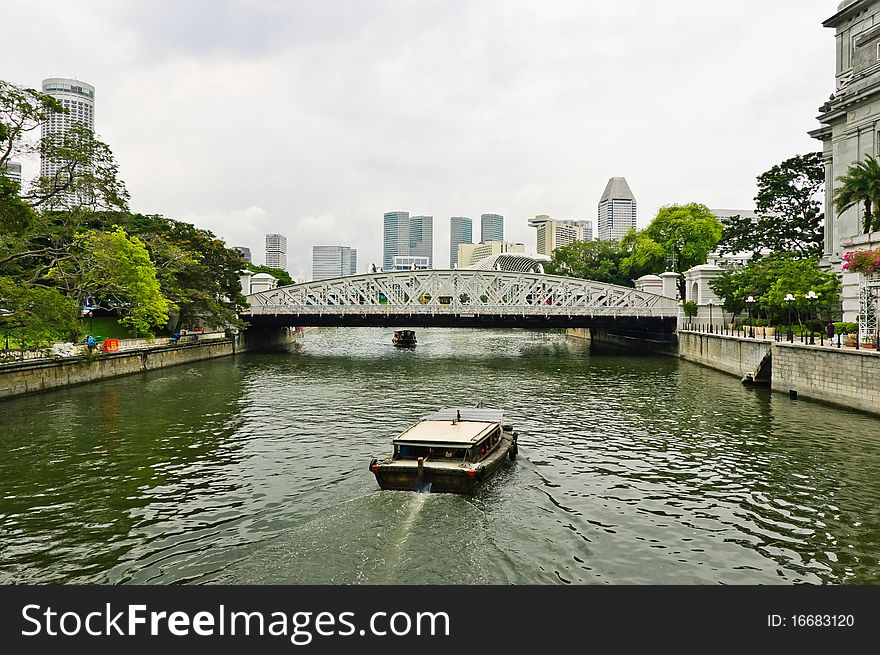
point(410, 263)
point(461, 230)
point(13, 171)
point(276, 251)
point(78, 98)
point(617, 210)
point(421, 238)
point(333, 261)
point(552, 234)
point(471, 253)
point(491, 227)
point(395, 239)
point(245, 252)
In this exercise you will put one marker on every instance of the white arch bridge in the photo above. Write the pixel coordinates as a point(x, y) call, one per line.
point(464, 298)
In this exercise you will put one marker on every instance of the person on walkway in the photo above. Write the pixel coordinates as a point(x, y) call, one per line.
point(92, 343)
point(829, 330)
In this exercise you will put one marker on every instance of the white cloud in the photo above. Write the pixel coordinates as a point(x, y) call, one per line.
point(318, 117)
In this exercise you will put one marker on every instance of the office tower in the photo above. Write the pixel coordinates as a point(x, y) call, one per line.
point(333, 261)
point(395, 239)
point(617, 210)
point(421, 238)
point(276, 251)
point(13, 171)
point(491, 227)
point(552, 234)
point(245, 252)
point(461, 230)
point(79, 100)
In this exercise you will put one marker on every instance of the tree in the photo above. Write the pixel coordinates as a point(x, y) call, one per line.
point(34, 316)
point(789, 211)
point(680, 237)
point(770, 279)
point(283, 276)
point(598, 260)
point(197, 272)
point(117, 272)
point(861, 184)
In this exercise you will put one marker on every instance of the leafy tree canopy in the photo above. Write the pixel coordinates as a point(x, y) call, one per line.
point(598, 260)
point(770, 279)
point(283, 276)
point(789, 211)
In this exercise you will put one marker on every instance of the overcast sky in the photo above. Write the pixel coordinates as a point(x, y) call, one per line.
point(313, 118)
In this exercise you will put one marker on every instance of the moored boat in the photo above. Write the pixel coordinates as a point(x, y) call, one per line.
point(404, 338)
point(449, 451)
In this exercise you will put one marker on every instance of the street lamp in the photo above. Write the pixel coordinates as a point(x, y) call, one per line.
point(812, 296)
point(711, 303)
point(751, 301)
point(789, 299)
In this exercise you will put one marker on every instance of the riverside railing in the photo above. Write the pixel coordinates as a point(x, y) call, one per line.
point(781, 334)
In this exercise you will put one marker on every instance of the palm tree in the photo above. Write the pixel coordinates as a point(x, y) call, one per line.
point(861, 184)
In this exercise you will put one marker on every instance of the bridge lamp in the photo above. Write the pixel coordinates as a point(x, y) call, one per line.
point(812, 296)
point(751, 301)
point(711, 304)
point(789, 299)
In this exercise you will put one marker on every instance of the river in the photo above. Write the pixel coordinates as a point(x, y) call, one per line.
point(253, 469)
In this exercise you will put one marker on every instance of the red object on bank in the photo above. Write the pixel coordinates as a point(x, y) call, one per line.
point(111, 345)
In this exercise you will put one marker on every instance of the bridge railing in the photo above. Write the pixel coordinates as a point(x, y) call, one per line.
point(460, 310)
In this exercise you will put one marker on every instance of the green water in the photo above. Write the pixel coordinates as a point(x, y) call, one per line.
point(254, 470)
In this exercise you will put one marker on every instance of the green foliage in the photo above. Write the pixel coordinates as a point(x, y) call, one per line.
point(197, 272)
point(846, 327)
point(598, 260)
point(283, 276)
point(690, 308)
point(771, 279)
point(35, 316)
point(862, 261)
point(788, 208)
point(117, 271)
point(861, 184)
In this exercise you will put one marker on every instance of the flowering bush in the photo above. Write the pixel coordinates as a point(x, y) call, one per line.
point(862, 261)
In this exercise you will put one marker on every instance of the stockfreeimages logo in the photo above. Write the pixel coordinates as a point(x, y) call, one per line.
point(299, 627)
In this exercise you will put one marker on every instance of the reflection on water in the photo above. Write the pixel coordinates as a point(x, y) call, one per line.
point(254, 470)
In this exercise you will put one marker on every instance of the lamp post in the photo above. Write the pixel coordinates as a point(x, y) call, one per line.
point(751, 301)
point(711, 303)
point(812, 296)
point(789, 299)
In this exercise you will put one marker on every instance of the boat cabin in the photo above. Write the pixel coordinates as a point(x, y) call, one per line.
point(446, 439)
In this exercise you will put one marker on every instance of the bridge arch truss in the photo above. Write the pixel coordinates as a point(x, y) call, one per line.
point(460, 292)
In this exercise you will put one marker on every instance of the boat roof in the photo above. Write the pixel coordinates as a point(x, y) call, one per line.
point(485, 414)
point(459, 433)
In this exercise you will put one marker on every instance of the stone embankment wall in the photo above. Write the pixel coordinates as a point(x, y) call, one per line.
point(34, 376)
point(603, 337)
point(748, 359)
point(44, 375)
point(838, 376)
point(846, 377)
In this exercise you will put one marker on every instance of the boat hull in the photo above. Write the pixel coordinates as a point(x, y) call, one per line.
point(442, 477)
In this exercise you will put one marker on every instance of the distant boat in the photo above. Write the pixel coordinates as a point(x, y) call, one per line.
point(449, 451)
point(404, 339)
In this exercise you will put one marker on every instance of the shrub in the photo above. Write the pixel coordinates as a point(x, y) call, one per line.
point(846, 328)
point(690, 308)
point(862, 261)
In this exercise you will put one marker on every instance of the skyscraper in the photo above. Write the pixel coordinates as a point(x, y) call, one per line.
point(461, 230)
point(13, 171)
point(617, 210)
point(245, 252)
point(491, 227)
point(276, 251)
point(552, 234)
point(79, 100)
point(395, 240)
point(333, 261)
point(421, 238)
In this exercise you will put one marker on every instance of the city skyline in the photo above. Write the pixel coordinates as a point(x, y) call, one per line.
point(761, 82)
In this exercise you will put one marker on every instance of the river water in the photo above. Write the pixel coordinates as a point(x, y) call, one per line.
point(632, 469)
